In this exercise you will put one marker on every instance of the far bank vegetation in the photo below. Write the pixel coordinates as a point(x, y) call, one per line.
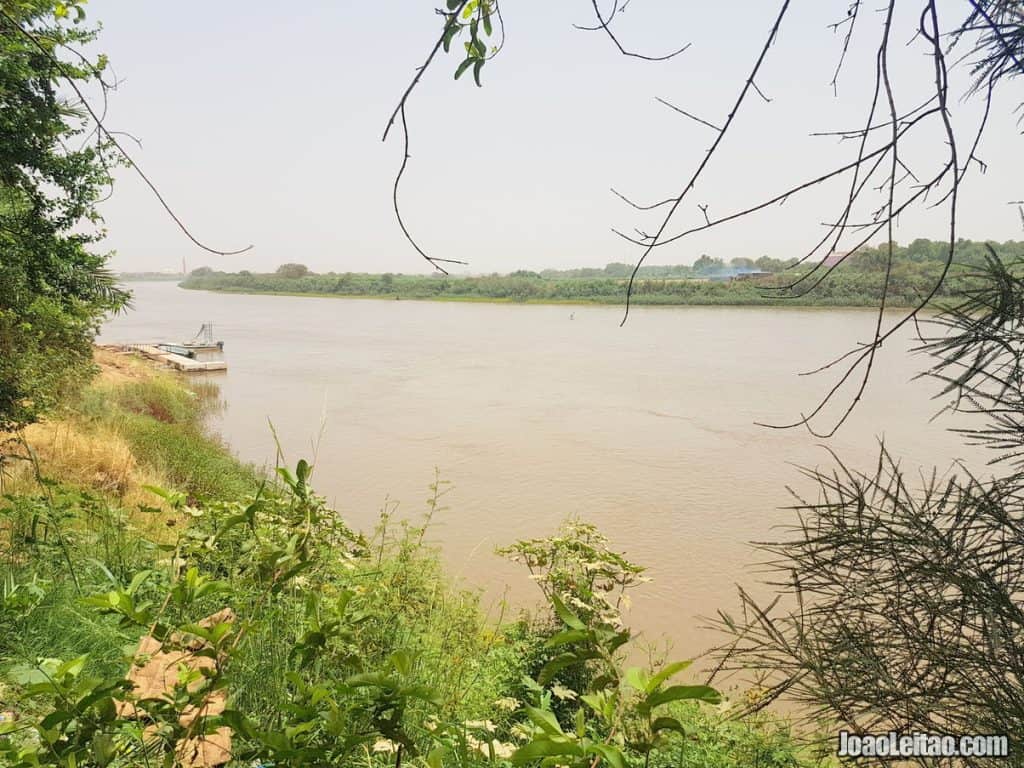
point(742, 281)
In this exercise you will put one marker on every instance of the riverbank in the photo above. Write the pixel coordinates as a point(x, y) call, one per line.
point(646, 301)
point(122, 516)
point(860, 285)
point(133, 426)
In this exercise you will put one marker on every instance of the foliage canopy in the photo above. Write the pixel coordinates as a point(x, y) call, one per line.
point(54, 289)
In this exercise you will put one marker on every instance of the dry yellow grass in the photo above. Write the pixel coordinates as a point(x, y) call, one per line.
point(117, 367)
point(97, 458)
point(92, 456)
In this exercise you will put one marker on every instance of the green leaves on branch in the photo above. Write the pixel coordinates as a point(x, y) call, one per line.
point(616, 711)
point(54, 287)
point(64, 10)
point(476, 16)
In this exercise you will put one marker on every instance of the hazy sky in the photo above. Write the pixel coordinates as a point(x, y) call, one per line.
point(261, 123)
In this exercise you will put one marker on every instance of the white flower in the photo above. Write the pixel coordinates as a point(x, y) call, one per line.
point(500, 749)
point(385, 745)
point(563, 693)
point(507, 704)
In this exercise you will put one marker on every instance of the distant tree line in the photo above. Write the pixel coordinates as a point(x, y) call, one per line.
point(858, 282)
point(705, 266)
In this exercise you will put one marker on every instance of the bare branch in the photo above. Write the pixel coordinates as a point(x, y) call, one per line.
point(687, 114)
point(432, 260)
point(641, 207)
point(707, 157)
point(603, 24)
point(98, 121)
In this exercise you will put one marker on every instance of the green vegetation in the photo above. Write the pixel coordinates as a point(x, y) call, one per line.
point(53, 289)
point(339, 648)
point(857, 282)
point(163, 425)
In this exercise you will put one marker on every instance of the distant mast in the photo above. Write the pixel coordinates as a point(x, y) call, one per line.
point(184, 272)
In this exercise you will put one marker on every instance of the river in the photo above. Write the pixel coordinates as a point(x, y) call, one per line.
point(538, 413)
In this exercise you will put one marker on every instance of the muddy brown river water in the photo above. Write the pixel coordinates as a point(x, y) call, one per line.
point(537, 413)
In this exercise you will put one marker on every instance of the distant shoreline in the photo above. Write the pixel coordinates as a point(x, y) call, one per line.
point(599, 301)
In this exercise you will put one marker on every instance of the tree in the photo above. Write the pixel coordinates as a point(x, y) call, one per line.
point(617, 269)
point(768, 264)
point(54, 288)
point(293, 271)
point(706, 265)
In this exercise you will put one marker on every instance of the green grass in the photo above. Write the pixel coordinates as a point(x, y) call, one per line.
point(194, 462)
point(163, 422)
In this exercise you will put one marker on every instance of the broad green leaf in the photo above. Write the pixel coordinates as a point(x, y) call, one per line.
point(371, 679)
point(449, 34)
point(72, 667)
point(569, 618)
point(618, 640)
point(611, 755)
point(684, 692)
point(401, 661)
point(544, 720)
point(297, 730)
point(556, 665)
point(55, 718)
point(163, 494)
point(103, 749)
point(463, 67)
point(596, 701)
point(665, 673)
point(434, 757)
point(541, 748)
point(565, 637)
point(140, 578)
point(285, 474)
point(637, 679)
